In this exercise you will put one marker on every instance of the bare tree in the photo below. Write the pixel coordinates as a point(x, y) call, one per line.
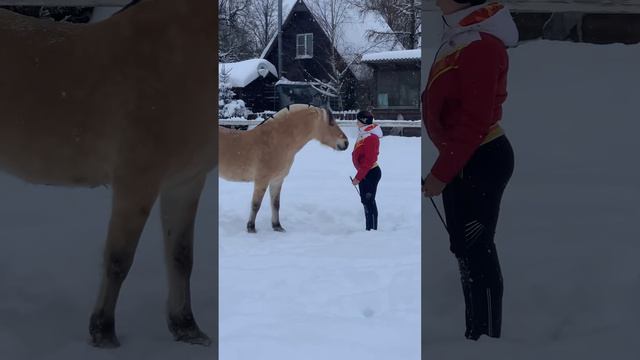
point(332, 16)
point(402, 16)
point(234, 40)
point(262, 22)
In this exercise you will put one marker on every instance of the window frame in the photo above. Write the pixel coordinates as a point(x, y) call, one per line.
point(306, 45)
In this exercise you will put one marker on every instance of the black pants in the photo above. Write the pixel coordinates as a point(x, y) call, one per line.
point(472, 205)
point(368, 187)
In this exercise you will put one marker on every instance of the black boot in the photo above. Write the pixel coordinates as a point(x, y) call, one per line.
point(483, 288)
point(368, 218)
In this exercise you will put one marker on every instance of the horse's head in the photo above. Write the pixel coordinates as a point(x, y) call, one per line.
point(329, 133)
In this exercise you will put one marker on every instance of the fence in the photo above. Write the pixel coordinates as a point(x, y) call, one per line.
point(346, 123)
point(343, 118)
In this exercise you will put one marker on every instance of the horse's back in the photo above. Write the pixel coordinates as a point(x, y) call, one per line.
point(84, 100)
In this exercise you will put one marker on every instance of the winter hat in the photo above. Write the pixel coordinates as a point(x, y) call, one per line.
point(365, 117)
point(472, 2)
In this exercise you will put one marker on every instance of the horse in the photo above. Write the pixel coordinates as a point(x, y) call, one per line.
point(128, 103)
point(264, 155)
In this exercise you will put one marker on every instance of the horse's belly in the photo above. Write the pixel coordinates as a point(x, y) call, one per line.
point(239, 173)
point(51, 166)
point(235, 163)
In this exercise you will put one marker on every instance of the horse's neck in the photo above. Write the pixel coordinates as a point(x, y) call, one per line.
point(300, 132)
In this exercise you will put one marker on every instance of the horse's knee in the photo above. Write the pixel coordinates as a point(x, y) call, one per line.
point(117, 266)
point(276, 204)
point(367, 198)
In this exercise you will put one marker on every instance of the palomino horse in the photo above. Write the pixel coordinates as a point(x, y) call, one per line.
point(265, 154)
point(129, 103)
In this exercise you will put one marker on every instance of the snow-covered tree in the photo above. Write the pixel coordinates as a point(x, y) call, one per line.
point(228, 107)
point(402, 16)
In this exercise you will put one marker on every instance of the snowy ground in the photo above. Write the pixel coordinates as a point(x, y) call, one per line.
point(568, 236)
point(326, 289)
point(50, 251)
point(567, 239)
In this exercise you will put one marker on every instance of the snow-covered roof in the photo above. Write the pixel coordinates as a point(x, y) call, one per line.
point(400, 55)
point(599, 6)
point(353, 39)
point(245, 72)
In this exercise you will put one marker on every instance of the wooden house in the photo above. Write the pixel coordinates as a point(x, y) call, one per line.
point(396, 83)
point(253, 81)
point(309, 58)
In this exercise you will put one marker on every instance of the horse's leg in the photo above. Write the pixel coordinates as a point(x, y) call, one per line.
point(178, 206)
point(274, 190)
point(132, 202)
point(259, 188)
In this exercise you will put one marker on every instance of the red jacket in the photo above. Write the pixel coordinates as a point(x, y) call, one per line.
point(365, 151)
point(462, 103)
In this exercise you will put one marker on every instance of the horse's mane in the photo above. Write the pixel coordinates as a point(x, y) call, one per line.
point(286, 110)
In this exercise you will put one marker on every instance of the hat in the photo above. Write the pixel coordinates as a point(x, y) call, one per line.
point(365, 117)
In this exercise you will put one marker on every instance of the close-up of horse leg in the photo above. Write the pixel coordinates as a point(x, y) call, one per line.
point(259, 189)
point(132, 203)
point(178, 207)
point(275, 187)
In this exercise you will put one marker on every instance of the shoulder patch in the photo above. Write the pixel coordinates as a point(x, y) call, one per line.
point(481, 14)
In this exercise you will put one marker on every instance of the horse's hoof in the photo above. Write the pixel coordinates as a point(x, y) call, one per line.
point(103, 334)
point(278, 228)
point(199, 338)
point(251, 230)
point(188, 331)
point(104, 341)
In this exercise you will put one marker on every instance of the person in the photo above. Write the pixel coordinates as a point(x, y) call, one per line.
point(365, 159)
point(462, 109)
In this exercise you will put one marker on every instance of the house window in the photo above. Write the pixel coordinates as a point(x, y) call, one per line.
point(398, 88)
point(304, 46)
point(383, 100)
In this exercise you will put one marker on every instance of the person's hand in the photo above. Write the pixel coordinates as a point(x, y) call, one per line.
point(432, 186)
point(355, 181)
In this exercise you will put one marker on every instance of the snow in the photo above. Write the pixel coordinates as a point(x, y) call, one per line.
point(101, 13)
point(325, 289)
point(414, 54)
point(50, 260)
point(243, 73)
point(234, 109)
point(567, 236)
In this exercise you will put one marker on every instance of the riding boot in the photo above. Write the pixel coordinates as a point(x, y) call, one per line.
point(375, 215)
point(374, 225)
point(483, 289)
point(368, 217)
